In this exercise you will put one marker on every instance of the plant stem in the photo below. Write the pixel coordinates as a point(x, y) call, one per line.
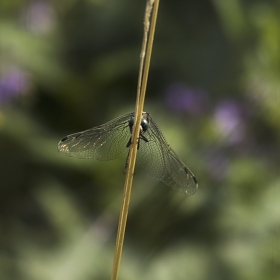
point(145, 58)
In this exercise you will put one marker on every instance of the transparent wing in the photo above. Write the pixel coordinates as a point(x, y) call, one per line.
point(158, 159)
point(104, 142)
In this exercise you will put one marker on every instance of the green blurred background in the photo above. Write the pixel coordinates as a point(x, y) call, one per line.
point(213, 89)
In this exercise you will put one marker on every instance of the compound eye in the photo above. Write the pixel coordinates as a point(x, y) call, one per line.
point(144, 124)
point(131, 123)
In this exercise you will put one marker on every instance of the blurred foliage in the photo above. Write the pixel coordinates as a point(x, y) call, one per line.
point(213, 89)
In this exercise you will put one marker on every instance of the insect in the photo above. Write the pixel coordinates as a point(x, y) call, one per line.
point(112, 139)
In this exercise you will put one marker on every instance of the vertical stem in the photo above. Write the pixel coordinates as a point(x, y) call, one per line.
point(141, 90)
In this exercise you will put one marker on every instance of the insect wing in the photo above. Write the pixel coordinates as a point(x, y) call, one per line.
point(104, 142)
point(158, 159)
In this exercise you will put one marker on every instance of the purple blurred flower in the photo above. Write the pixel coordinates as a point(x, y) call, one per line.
point(13, 82)
point(229, 121)
point(182, 98)
point(217, 165)
point(39, 16)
